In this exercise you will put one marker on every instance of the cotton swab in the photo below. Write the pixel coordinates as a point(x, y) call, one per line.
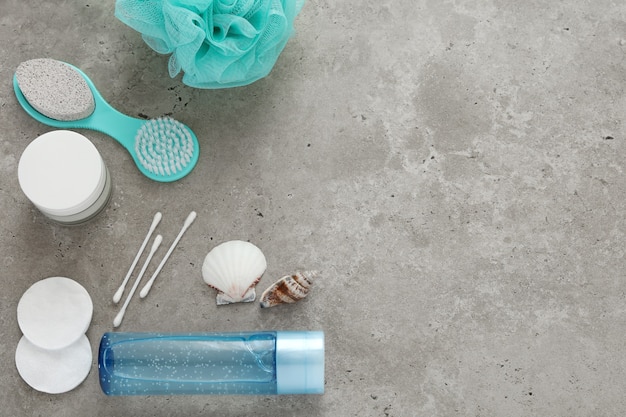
point(188, 221)
point(118, 294)
point(120, 315)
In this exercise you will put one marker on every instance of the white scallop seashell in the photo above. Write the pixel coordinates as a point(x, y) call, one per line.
point(288, 289)
point(233, 268)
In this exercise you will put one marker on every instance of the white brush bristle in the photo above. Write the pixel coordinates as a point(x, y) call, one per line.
point(164, 146)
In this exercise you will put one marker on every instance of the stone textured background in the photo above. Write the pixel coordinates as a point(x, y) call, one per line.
point(454, 169)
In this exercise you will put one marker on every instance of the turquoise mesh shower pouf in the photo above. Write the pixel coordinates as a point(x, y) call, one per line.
point(215, 43)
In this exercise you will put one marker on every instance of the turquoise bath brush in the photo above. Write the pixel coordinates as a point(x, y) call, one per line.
point(62, 96)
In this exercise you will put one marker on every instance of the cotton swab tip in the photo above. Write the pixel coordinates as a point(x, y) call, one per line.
point(118, 319)
point(157, 242)
point(190, 219)
point(118, 295)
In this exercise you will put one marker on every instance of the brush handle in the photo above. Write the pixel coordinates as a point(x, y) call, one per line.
point(188, 221)
point(105, 118)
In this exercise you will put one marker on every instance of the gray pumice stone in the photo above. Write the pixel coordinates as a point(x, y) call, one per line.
point(55, 89)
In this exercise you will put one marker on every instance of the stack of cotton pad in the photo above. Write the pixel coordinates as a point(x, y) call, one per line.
point(54, 354)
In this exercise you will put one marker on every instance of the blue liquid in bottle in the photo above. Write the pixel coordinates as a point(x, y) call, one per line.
point(211, 363)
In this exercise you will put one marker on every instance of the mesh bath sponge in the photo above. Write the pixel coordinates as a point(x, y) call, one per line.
point(215, 43)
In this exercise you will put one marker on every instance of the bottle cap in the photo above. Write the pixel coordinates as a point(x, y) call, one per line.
point(300, 362)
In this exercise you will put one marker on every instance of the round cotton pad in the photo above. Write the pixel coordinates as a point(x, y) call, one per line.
point(53, 371)
point(54, 312)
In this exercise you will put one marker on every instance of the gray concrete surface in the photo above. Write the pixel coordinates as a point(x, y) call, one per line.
point(455, 170)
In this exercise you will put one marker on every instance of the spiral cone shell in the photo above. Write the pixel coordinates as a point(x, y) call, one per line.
point(288, 289)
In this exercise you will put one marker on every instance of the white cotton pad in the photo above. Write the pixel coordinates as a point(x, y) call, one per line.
point(53, 371)
point(54, 312)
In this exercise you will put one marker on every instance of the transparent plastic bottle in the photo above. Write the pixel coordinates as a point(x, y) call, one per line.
point(254, 363)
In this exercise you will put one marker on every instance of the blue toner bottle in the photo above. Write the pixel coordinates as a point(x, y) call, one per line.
point(253, 363)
